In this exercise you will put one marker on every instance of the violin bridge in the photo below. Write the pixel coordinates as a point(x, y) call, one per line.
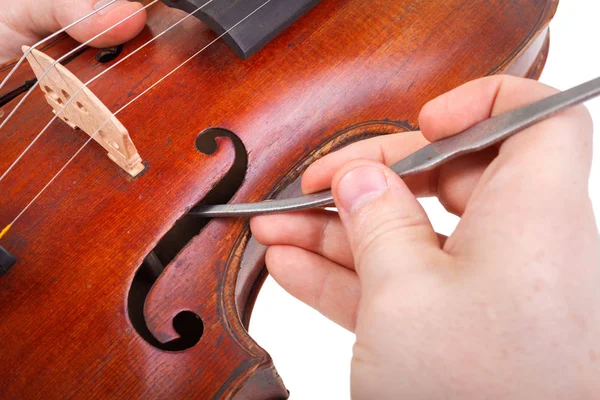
point(85, 111)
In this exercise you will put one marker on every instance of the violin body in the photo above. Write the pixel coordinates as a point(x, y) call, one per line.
point(116, 292)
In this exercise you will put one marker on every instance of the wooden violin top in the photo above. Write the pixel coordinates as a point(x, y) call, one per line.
point(80, 316)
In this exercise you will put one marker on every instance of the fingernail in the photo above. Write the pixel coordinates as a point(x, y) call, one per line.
point(100, 4)
point(360, 185)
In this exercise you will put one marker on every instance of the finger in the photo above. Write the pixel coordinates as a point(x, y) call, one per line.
point(475, 101)
point(540, 175)
point(30, 20)
point(453, 183)
point(457, 179)
point(331, 289)
point(384, 149)
point(105, 19)
point(459, 109)
point(444, 116)
point(319, 231)
point(388, 230)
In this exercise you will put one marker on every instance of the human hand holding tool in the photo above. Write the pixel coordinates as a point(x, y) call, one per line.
point(506, 306)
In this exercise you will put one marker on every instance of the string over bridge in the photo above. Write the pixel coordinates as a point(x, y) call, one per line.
point(78, 107)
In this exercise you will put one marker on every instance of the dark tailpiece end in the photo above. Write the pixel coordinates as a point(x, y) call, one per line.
point(7, 260)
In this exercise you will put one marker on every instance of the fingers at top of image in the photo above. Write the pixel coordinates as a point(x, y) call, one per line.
point(26, 22)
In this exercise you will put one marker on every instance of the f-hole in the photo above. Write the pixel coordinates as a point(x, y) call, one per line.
point(187, 324)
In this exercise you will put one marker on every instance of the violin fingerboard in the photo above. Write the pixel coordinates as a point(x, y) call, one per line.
point(258, 21)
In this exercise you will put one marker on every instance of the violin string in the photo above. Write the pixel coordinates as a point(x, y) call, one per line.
point(20, 103)
point(86, 84)
point(121, 109)
point(48, 38)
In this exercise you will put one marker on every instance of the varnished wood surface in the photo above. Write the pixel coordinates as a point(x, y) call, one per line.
point(346, 70)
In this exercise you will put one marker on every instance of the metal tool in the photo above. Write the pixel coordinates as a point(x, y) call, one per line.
point(478, 137)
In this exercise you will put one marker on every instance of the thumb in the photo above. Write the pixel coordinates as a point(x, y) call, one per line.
point(387, 228)
point(27, 21)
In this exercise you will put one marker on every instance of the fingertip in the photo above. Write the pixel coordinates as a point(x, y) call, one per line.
point(261, 229)
point(385, 149)
point(275, 229)
point(271, 257)
point(133, 15)
point(460, 108)
point(317, 177)
point(277, 260)
point(358, 182)
point(320, 174)
point(429, 114)
point(278, 267)
point(124, 20)
point(384, 221)
point(349, 166)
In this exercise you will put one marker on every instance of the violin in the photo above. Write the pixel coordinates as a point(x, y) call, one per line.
point(111, 285)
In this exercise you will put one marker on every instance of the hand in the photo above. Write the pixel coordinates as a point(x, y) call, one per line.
point(24, 22)
point(506, 307)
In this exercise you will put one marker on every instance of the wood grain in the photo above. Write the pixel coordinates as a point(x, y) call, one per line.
point(346, 70)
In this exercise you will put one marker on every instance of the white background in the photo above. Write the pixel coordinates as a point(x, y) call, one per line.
point(313, 354)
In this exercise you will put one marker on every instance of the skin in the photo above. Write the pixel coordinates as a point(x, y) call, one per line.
point(506, 307)
point(24, 22)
